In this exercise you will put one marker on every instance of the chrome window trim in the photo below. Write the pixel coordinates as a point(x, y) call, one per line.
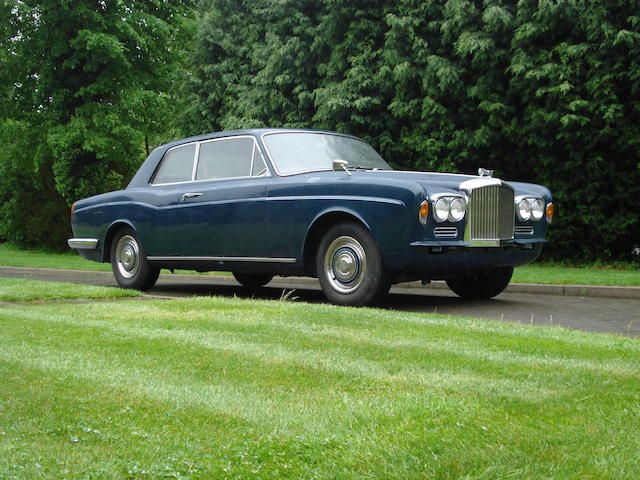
point(277, 132)
point(222, 259)
point(211, 140)
point(196, 160)
point(253, 156)
point(155, 172)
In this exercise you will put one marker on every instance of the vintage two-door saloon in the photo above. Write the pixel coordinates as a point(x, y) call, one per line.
point(270, 202)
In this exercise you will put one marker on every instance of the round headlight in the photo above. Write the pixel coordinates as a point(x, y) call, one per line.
point(457, 209)
point(537, 209)
point(524, 210)
point(441, 209)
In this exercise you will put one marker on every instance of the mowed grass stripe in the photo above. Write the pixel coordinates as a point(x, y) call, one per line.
point(339, 368)
point(118, 433)
point(264, 359)
point(116, 430)
point(397, 336)
point(246, 389)
point(360, 365)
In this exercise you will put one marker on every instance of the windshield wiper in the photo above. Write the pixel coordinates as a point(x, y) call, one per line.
point(359, 167)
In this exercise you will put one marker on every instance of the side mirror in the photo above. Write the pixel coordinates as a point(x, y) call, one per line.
point(341, 165)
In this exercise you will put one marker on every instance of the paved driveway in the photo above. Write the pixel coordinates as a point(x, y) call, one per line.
point(593, 314)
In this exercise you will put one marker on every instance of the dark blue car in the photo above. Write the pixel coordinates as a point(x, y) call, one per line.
point(270, 202)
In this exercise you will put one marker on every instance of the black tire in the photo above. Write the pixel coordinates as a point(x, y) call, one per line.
point(129, 261)
point(252, 280)
point(349, 266)
point(481, 285)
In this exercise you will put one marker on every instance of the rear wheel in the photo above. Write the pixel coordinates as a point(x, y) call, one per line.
point(481, 285)
point(349, 266)
point(129, 262)
point(252, 280)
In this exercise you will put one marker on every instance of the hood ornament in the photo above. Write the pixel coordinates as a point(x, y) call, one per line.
point(483, 172)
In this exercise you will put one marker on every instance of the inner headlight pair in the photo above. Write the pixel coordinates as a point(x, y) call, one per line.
point(529, 208)
point(450, 208)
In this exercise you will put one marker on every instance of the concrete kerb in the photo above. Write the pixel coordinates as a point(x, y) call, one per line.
point(540, 289)
point(291, 282)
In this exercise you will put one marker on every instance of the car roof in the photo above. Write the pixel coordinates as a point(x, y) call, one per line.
point(141, 178)
point(256, 132)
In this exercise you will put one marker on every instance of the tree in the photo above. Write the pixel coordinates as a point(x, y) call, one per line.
point(87, 92)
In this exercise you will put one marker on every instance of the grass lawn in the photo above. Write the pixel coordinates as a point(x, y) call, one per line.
point(13, 257)
point(19, 290)
point(229, 388)
point(554, 274)
point(535, 273)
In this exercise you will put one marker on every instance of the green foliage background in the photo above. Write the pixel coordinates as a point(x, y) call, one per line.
point(540, 90)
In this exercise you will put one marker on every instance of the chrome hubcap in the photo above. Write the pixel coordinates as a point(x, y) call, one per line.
point(127, 256)
point(345, 264)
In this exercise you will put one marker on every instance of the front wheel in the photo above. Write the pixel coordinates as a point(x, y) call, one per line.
point(129, 262)
point(349, 266)
point(481, 285)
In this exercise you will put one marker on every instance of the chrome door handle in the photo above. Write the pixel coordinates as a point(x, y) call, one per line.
point(188, 195)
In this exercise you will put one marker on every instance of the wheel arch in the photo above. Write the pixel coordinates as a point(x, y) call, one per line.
point(108, 237)
point(320, 224)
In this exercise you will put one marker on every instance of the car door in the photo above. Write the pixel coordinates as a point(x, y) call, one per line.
point(220, 213)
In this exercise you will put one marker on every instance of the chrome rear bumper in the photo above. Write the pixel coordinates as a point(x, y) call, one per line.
point(83, 243)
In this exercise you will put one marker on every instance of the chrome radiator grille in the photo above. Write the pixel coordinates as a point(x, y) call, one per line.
point(491, 213)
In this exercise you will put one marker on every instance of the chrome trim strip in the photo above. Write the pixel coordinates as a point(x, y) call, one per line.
point(196, 159)
point(354, 198)
point(255, 199)
point(222, 259)
point(83, 243)
point(472, 184)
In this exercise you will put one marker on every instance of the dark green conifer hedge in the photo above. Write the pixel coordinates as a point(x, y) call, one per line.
point(545, 91)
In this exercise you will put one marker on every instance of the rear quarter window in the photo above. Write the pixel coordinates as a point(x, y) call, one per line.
point(176, 165)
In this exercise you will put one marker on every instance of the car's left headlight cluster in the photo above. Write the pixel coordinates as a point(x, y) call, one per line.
point(449, 207)
point(529, 208)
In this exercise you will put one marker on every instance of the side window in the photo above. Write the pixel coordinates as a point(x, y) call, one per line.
point(176, 166)
point(259, 168)
point(226, 158)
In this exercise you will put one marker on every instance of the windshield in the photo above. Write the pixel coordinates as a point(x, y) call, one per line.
point(297, 152)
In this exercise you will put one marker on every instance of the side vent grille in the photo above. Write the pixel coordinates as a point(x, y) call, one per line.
point(524, 230)
point(445, 232)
